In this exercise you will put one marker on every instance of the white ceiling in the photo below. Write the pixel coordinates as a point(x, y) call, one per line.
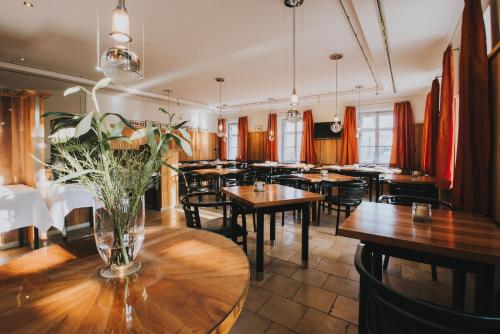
point(190, 42)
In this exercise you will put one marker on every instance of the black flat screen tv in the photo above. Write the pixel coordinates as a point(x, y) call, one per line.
point(322, 131)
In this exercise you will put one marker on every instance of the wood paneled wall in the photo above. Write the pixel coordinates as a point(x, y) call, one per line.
point(256, 146)
point(494, 67)
point(328, 151)
point(204, 145)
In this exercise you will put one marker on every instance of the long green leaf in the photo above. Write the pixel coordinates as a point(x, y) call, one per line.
point(84, 126)
point(101, 84)
point(178, 126)
point(184, 145)
point(76, 89)
point(185, 134)
point(123, 119)
point(59, 114)
point(74, 175)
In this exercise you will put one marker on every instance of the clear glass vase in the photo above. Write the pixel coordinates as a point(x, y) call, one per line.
point(119, 234)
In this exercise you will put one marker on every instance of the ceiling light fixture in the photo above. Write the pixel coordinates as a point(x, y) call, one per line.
point(293, 113)
point(22, 58)
point(220, 127)
point(336, 126)
point(28, 4)
point(120, 30)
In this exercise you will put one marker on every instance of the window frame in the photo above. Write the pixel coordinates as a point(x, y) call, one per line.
point(230, 136)
point(376, 130)
point(297, 139)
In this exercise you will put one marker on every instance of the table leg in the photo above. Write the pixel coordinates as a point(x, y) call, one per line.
point(20, 234)
point(305, 236)
point(377, 264)
point(370, 186)
point(313, 213)
point(37, 237)
point(259, 265)
point(272, 229)
point(485, 288)
point(377, 187)
point(458, 296)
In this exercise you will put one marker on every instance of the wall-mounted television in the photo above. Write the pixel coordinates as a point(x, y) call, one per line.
point(322, 131)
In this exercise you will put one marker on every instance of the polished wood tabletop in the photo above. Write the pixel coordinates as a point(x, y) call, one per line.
point(331, 177)
point(409, 179)
point(191, 281)
point(221, 171)
point(282, 166)
point(357, 170)
point(274, 195)
point(454, 234)
point(207, 164)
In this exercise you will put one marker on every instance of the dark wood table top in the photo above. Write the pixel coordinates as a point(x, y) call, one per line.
point(283, 166)
point(454, 234)
point(317, 178)
point(358, 170)
point(274, 195)
point(207, 164)
point(191, 281)
point(409, 179)
point(221, 171)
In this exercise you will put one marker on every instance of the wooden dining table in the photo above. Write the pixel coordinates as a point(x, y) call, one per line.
point(219, 173)
point(190, 281)
point(274, 198)
point(458, 240)
point(409, 179)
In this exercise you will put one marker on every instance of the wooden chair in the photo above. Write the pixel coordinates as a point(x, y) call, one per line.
point(226, 225)
point(289, 181)
point(383, 310)
point(418, 190)
point(347, 199)
point(408, 201)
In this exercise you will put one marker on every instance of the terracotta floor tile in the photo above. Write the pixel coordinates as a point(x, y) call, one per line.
point(310, 276)
point(318, 322)
point(281, 253)
point(282, 286)
point(352, 329)
point(353, 274)
point(342, 286)
point(253, 282)
point(281, 267)
point(256, 298)
point(283, 311)
point(313, 259)
point(406, 287)
point(416, 275)
point(278, 329)
point(249, 322)
point(327, 254)
point(347, 258)
point(314, 297)
point(334, 268)
point(346, 309)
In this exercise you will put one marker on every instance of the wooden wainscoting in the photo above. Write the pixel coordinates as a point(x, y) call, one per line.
point(328, 151)
point(256, 146)
point(494, 69)
point(204, 145)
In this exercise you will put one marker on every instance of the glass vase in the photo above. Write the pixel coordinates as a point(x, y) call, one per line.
point(119, 234)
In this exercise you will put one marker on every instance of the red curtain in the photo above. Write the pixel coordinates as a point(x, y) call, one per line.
point(223, 140)
point(430, 131)
point(349, 140)
point(307, 153)
point(471, 182)
point(242, 139)
point(271, 148)
point(403, 139)
point(445, 159)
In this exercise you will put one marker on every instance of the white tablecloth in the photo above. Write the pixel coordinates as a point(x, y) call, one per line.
point(61, 199)
point(22, 206)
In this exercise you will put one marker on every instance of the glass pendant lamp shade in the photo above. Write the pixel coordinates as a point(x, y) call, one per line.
point(120, 31)
point(121, 64)
point(220, 130)
point(294, 99)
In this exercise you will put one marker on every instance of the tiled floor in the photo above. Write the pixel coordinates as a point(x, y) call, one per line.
point(320, 299)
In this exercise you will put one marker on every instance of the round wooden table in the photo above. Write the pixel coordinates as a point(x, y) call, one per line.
point(190, 281)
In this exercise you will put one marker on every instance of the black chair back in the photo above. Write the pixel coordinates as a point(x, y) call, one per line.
point(383, 310)
point(409, 200)
point(419, 190)
point(287, 180)
point(192, 202)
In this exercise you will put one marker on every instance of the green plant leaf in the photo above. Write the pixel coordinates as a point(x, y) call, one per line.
point(123, 119)
point(84, 125)
point(74, 175)
point(138, 134)
point(60, 114)
point(184, 144)
point(75, 89)
point(185, 134)
point(117, 129)
point(178, 126)
point(101, 84)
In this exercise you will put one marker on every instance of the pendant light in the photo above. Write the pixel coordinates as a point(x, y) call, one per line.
point(336, 126)
point(220, 127)
point(120, 31)
point(271, 131)
point(293, 113)
point(119, 62)
point(358, 88)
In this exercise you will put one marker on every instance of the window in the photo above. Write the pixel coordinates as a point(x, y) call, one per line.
point(289, 140)
point(375, 137)
point(232, 141)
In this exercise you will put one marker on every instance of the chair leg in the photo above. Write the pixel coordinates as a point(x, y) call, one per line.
point(282, 218)
point(347, 211)
point(434, 273)
point(386, 262)
point(319, 213)
point(338, 221)
point(254, 220)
